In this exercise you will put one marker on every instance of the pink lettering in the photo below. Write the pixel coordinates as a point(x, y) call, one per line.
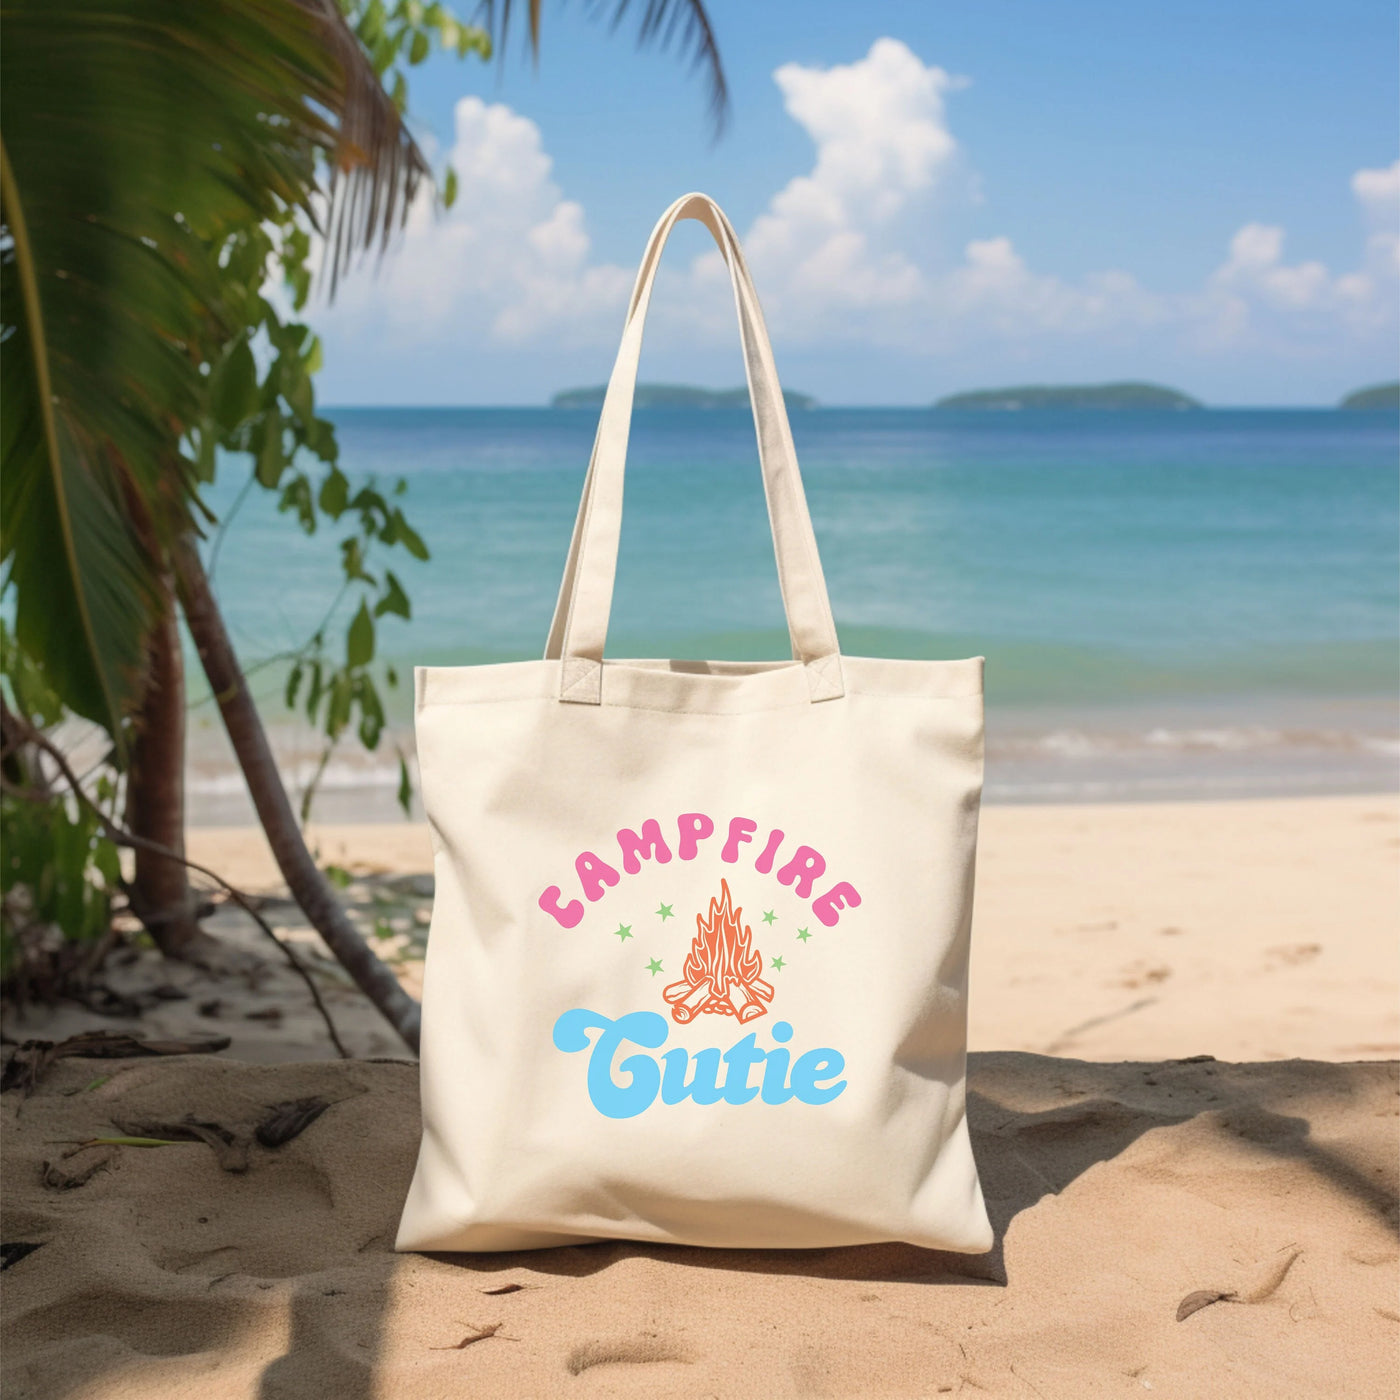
point(800, 872)
point(764, 863)
point(741, 829)
point(804, 867)
point(594, 873)
point(636, 848)
point(694, 828)
point(567, 917)
point(840, 896)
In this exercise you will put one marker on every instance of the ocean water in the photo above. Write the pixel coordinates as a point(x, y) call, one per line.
point(1177, 604)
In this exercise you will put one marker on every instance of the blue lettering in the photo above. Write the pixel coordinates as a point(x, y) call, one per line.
point(642, 1028)
point(775, 1071)
point(813, 1078)
point(704, 1082)
point(814, 1066)
point(741, 1058)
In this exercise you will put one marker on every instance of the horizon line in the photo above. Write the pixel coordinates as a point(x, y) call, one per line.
point(925, 407)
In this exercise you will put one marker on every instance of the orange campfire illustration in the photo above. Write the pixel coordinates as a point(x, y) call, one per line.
point(721, 972)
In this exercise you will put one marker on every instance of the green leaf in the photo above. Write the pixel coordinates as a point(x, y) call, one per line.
point(314, 691)
point(407, 536)
point(300, 281)
point(233, 387)
point(296, 496)
point(405, 786)
point(395, 600)
point(82, 585)
point(293, 685)
point(107, 861)
point(338, 875)
point(272, 457)
point(335, 492)
point(30, 691)
point(371, 24)
point(296, 389)
point(449, 187)
point(359, 639)
point(469, 37)
point(370, 503)
point(419, 48)
point(352, 560)
point(320, 439)
point(371, 713)
point(135, 1142)
point(338, 710)
point(206, 463)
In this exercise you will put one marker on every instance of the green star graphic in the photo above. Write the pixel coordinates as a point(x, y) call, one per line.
point(623, 932)
point(777, 964)
point(665, 913)
point(803, 935)
point(654, 966)
point(769, 916)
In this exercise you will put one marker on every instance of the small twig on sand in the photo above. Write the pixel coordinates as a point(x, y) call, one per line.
point(480, 1335)
point(119, 836)
point(28, 1064)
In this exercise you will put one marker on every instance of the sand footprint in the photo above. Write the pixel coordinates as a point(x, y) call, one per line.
point(647, 1349)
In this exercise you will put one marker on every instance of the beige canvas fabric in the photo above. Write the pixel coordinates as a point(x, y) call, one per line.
point(697, 969)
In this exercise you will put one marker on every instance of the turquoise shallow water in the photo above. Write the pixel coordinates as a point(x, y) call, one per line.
point(1226, 581)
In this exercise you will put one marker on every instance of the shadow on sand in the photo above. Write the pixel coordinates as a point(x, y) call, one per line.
point(285, 1276)
point(1024, 1153)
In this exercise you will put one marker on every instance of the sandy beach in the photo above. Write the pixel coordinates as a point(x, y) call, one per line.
point(1248, 930)
point(1117, 949)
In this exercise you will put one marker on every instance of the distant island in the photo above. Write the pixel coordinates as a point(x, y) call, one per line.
point(674, 396)
point(1110, 397)
point(1385, 396)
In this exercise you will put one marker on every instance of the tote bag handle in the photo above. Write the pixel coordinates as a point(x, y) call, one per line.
point(579, 631)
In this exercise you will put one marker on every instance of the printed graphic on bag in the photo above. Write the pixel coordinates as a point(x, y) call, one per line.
point(801, 871)
point(722, 971)
point(722, 976)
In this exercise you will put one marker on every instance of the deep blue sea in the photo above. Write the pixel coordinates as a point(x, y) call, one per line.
point(1170, 604)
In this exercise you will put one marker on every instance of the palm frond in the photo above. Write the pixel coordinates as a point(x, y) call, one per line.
point(137, 134)
point(69, 557)
point(377, 166)
point(682, 24)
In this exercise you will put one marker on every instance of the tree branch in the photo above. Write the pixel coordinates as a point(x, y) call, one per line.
point(307, 884)
point(119, 836)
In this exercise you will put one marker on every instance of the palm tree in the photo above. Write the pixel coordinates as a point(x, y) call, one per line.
point(140, 141)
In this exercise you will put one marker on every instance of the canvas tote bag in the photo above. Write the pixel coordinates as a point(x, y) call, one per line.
point(697, 967)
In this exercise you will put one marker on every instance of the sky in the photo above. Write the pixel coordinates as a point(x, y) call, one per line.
point(933, 196)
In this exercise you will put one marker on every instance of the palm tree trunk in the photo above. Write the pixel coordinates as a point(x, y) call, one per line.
point(160, 893)
point(308, 886)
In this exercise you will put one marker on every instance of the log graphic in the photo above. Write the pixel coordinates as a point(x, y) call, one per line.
point(722, 969)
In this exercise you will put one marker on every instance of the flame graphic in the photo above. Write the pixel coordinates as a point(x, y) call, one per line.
point(722, 969)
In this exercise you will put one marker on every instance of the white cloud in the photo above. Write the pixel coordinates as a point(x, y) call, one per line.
point(1378, 192)
point(994, 292)
point(844, 254)
point(509, 261)
point(838, 252)
point(1256, 267)
point(1257, 297)
point(880, 130)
